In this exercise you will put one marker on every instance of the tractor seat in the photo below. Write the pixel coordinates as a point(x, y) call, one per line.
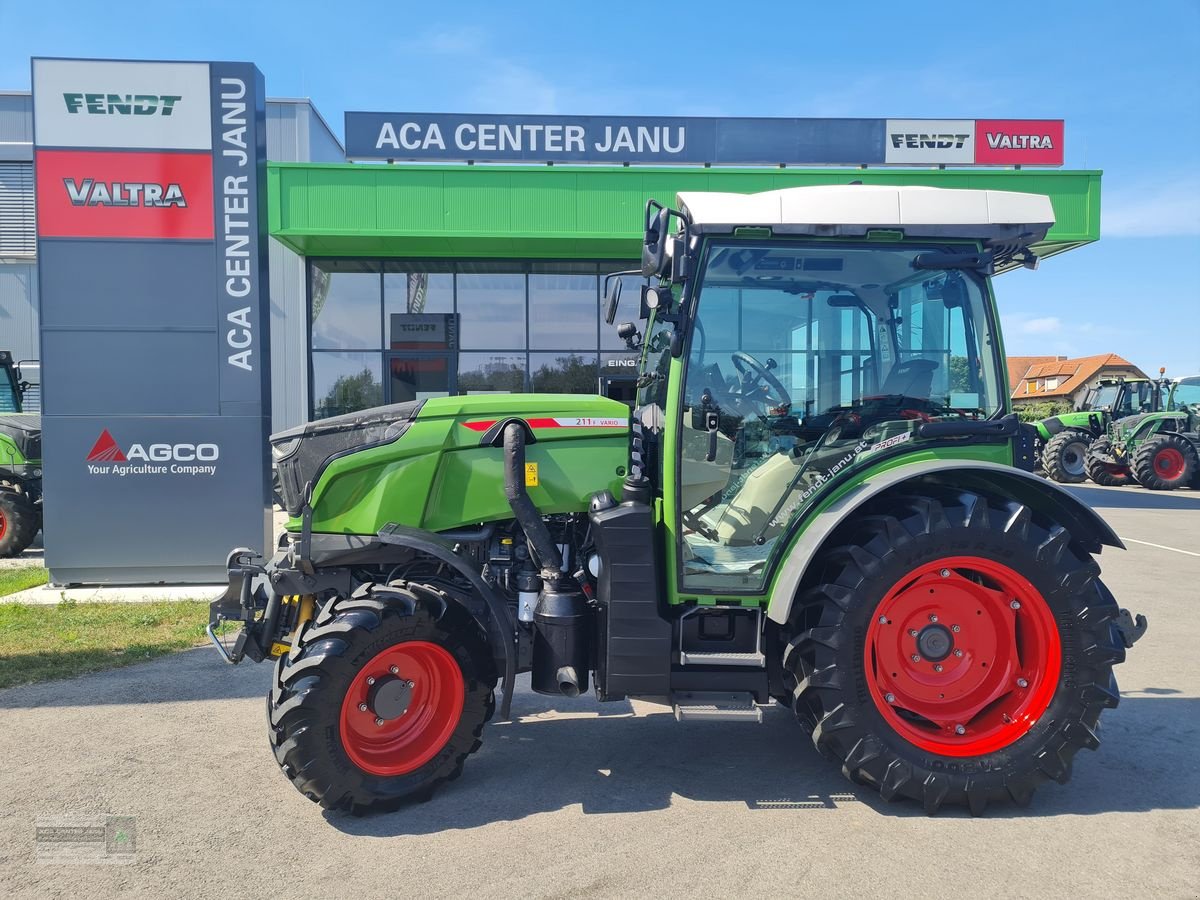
point(911, 378)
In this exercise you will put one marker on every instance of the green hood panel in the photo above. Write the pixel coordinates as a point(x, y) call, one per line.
point(20, 439)
point(447, 469)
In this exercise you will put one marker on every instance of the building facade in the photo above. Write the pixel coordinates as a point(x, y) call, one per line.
point(296, 132)
point(391, 282)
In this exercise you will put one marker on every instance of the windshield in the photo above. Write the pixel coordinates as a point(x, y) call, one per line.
point(1186, 393)
point(805, 360)
point(1105, 396)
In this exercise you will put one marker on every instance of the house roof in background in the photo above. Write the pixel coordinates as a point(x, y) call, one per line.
point(1074, 373)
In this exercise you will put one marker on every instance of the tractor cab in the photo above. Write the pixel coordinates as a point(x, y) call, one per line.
point(12, 387)
point(785, 355)
point(1120, 397)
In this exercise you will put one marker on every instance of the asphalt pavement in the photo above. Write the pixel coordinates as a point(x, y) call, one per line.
point(579, 799)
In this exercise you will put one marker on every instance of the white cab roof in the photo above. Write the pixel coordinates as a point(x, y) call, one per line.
point(869, 204)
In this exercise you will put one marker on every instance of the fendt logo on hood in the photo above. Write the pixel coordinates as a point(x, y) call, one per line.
point(121, 104)
point(107, 457)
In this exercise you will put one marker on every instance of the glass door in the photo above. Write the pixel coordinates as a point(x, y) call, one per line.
point(419, 376)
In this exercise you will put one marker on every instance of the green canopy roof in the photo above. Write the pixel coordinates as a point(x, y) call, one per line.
point(576, 212)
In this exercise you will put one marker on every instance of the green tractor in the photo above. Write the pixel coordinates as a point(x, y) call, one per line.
point(20, 462)
point(820, 500)
point(1066, 437)
point(1160, 450)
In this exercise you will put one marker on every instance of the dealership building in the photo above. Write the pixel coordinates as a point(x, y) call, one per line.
point(461, 255)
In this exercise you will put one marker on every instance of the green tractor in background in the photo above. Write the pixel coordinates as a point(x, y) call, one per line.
point(1160, 450)
point(821, 500)
point(1067, 437)
point(20, 462)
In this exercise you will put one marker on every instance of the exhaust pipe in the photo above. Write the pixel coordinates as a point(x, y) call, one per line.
point(568, 682)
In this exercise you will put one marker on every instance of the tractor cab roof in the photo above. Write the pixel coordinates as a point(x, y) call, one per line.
point(1004, 220)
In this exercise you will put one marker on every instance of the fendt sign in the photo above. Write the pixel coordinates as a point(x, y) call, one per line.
point(713, 141)
point(150, 181)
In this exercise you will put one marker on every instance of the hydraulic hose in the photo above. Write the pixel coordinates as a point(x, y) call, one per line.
point(523, 509)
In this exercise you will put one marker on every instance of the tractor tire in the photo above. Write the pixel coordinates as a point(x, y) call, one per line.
point(20, 521)
point(1104, 473)
point(381, 699)
point(1165, 462)
point(954, 651)
point(1065, 455)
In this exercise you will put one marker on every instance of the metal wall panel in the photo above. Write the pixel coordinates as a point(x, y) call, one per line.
point(18, 222)
point(295, 133)
point(16, 126)
point(19, 309)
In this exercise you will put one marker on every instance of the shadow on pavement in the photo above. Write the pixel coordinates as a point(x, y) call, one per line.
point(1135, 498)
point(629, 765)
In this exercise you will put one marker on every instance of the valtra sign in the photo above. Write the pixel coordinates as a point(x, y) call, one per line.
point(150, 183)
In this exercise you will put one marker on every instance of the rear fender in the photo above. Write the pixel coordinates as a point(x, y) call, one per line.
point(991, 480)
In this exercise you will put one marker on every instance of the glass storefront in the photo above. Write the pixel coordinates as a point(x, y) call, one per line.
point(388, 331)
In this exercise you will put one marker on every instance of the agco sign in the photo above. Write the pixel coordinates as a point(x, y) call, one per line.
point(107, 457)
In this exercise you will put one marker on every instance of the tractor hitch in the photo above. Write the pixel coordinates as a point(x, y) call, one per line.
point(1131, 628)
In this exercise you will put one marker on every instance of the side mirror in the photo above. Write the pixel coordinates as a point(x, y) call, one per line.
point(613, 293)
point(654, 244)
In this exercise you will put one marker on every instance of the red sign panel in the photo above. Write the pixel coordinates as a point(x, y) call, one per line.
point(1019, 142)
point(132, 194)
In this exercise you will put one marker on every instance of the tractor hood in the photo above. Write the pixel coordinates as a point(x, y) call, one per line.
point(26, 432)
point(300, 454)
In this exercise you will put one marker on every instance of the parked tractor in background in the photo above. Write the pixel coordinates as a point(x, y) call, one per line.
point(1067, 437)
point(821, 500)
point(20, 462)
point(1160, 450)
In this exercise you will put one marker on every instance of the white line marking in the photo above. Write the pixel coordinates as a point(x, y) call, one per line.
point(1161, 547)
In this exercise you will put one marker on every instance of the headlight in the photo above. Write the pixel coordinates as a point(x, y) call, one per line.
point(284, 449)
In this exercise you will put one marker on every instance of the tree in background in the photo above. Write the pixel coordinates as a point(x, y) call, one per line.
point(571, 374)
point(496, 375)
point(350, 393)
point(1043, 409)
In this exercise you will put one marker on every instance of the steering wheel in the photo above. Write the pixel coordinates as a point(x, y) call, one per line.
point(772, 393)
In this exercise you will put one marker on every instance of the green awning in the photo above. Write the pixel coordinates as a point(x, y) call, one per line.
point(576, 212)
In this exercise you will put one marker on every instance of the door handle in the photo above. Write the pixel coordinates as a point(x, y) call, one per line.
point(711, 421)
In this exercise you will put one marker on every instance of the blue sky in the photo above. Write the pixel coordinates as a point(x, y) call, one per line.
point(1126, 77)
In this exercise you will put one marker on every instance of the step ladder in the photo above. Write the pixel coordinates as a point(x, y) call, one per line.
point(713, 706)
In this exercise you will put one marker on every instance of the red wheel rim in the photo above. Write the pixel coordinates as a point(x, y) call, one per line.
point(3, 524)
point(1002, 656)
point(411, 730)
point(1168, 463)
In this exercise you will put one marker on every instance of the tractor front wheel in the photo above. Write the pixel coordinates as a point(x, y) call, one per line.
point(954, 651)
point(1105, 473)
point(1064, 456)
point(1165, 462)
point(19, 522)
point(382, 699)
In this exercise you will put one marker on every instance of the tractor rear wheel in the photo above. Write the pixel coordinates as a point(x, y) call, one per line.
point(954, 651)
point(19, 522)
point(382, 698)
point(1064, 456)
point(1165, 462)
point(1106, 473)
